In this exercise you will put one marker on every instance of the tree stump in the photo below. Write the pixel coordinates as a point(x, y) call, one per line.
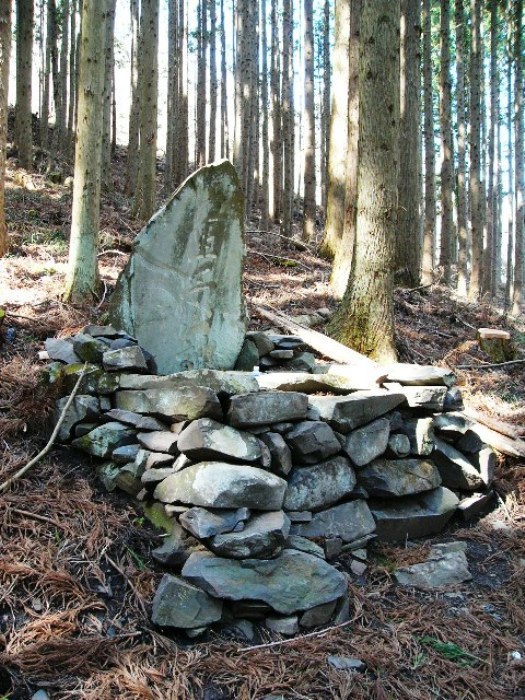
point(497, 344)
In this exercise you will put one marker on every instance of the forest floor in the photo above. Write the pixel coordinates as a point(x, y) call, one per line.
point(76, 574)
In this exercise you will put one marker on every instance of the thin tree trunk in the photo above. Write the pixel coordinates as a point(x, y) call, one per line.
point(345, 249)
point(365, 319)
point(476, 221)
point(408, 246)
point(134, 112)
point(462, 220)
point(44, 114)
point(447, 147)
point(287, 121)
point(201, 82)
point(63, 137)
point(109, 54)
point(172, 95)
point(72, 77)
point(214, 85)
point(309, 209)
point(276, 146)
point(489, 272)
point(5, 51)
point(239, 144)
point(264, 109)
point(144, 204)
point(182, 135)
point(337, 154)
point(24, 52)
point(325, 110)
point(510, 166)
point(517, 297)
point(225, 131)
point(82, 274)
point(429, 224)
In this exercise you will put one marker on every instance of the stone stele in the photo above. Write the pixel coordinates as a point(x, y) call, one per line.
point(180, 295)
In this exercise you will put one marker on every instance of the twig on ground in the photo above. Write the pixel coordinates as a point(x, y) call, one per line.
point(36, 516)
point(492, 365)
point(140, 599)
point(279, 642)
point(292, 241)
point(42, 453)
point(280, 257)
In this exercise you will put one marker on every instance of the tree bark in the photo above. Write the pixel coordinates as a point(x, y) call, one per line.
point(309, 209)
point(276, 146)
point(201, 83)
point(489, 256)
point(214, 86)
point(265, 180)
point(429, 222)
point(182, 135)
point(109, 58)
point(365, 318)
point(134, 112)
point(24, 52)
point(5, 51)
point(462, 212)
point(225, 131)
point(287, 120)
point(172, 95)
point(82, 274)
point(408, 245)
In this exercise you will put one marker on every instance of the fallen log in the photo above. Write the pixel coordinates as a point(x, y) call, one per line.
point(317, 341)
point(494, 424)
point(506, 445)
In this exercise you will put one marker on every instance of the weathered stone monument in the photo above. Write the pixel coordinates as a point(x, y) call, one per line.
point(180, 294)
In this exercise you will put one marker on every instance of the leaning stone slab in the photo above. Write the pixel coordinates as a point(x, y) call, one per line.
point(344, 413)
point(179, 604)
point(228, 383)
point(312, 441)
point(414, 516)
point(388, 478)
point(263, 537)
point(207, 439)
point(267, 407)
point(455, 469)
point(439, 570)
point(280, 453)
point(349, 521)
point(82, 408)
point(420, 432)
point(221, 485)
point(135, 419)
point(101, 441)
point(204, 523)
point(303, 544)
point(471, 506)
point(292, 582)
point(180, 294)
point(312, 383)
point(431, 398)
point(319, 486)
point(89, 349)
point(186, 403)
point(159, 441)
point(367, 443)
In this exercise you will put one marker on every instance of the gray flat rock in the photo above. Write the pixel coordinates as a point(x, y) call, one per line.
point(187, 266)
point(263, 537)
point(292, 582)
point(344, 413)
point(431, 398)
point(319, 486)
point(312, 441)
point(204, 523)
point(207, 439)
point(185, 403)
point(280, 453)
point(101, 441)
point(135, 419)
point(366, 443)
point(266, 407)
point(349, 521)
point(398, 446)
point(418, 375)
point(287, 626)
point(318, 616)
point(83, 408)
point(447, 569)
point(159, 441)
point(62, 350)
point(303, 544)
point(414, 516)
point(124, 359)
point(222, 485)
point(387, 478)
point(228, 383)
point(89, 349)
point(179, 604)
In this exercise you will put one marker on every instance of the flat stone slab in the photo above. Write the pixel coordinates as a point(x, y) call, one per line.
point(349, 521)
point(130, 358)
point(267, 407)
point(441, 569)
point(418, 375)
point(184, 403)
point(222, 485)
point(280, 453)
point(180, 294)
point(319, 486)
point(228, 383)
point(292, 582)
point(389, 478)
point(204, 523)
point(312, 441)
point(455, 469)
point(179, 604)
point(83, 408)
point(207, 439)
point(344, 413)
point(61, 350)
point(101, 441)
point(414, 516)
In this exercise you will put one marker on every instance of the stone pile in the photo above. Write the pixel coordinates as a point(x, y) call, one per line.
point(262, 480)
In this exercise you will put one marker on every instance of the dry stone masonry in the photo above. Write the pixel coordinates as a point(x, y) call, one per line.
point(263, 480)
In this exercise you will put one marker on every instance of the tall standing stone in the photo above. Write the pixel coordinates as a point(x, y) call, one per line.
point(180, 294)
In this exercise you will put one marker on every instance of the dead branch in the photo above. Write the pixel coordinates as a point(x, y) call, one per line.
point(279, 257)
point(498, 425)
point(318, 341)
point(492, 365)
point(310, 635)
point(43, 453)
